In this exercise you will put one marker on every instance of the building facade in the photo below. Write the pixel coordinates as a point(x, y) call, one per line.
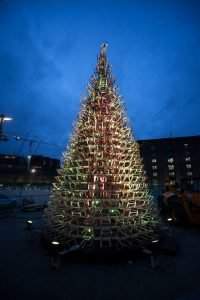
point(35, 169)
point(166, 161)
point(172, 161)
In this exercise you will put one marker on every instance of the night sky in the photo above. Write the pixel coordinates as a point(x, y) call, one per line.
point(48, 52)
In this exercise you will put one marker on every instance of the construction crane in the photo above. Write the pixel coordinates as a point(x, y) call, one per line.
point(32, 143)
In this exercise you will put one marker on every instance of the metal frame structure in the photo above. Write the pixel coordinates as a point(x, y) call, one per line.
point(100, 197)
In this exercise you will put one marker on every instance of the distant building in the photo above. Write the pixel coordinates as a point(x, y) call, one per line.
point(33, 169)
point(172, 160)
point(166, 161)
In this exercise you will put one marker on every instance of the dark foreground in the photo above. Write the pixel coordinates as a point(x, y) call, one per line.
point(25, 271)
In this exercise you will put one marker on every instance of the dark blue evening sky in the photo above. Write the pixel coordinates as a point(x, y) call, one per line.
point(48, 52)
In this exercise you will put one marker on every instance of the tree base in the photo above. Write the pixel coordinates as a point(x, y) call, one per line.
point(91, 252)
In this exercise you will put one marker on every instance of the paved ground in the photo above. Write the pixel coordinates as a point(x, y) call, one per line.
point(25, 272)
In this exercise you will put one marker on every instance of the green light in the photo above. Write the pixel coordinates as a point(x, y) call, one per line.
point(145, 222)
point(95, 202)
point(88, 233)
point(114, 211)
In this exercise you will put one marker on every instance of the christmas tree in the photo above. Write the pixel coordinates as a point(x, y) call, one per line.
point(100, 197)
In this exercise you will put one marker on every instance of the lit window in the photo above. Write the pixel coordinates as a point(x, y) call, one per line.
point(155, 174)
point(170, 160)
point(172, 174)
point(189, 173)
point(171, 167)
point(154, 167)
point(188, 158)
point(172, 182)
point(188, 166)
point(154, 160)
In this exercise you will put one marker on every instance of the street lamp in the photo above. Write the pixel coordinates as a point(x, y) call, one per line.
point(28, 162)
point(3, 119)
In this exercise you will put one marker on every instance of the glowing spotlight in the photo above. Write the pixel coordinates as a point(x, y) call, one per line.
point(155, 241)
point(169, 219)
point(56, 243)
point(4, 118)
point(29, 222)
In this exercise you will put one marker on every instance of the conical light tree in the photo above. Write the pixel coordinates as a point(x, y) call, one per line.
point(100, 197)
